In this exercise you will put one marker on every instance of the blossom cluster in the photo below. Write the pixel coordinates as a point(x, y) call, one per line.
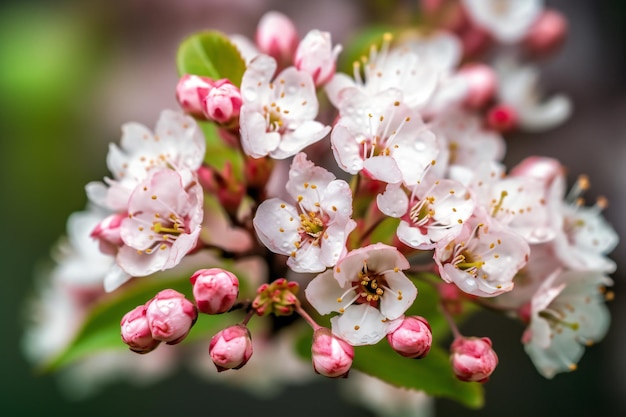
point(360, 188)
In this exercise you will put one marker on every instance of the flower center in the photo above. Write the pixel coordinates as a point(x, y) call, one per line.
point(311, 224)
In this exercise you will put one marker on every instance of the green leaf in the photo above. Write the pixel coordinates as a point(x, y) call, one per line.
point(432, 374)
point(101, 328)
point(210, 54)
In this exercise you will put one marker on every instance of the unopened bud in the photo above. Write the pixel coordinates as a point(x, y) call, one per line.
point(481, 81)
point(473, 359)
point(107, 232)
point(316, 56)
point(331, 355)
point(276, 36)
point(222, 103)
point(231, 348)
point(170, 316)
point(278, 298)
point(547, 33)
point(191, 91)
point(215, 290)
point(136, 332)
point(413, 338)
point(502, 118)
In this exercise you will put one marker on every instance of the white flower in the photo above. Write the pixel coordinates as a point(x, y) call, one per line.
point(484, 258)
point(506, 20)
point(177, 142)
point(277, 116)
point(369, 290)
point(518, 88)
point(567, 313)
point(383, 137)
point(435, 211)
point(314, 231)
point(399, 69)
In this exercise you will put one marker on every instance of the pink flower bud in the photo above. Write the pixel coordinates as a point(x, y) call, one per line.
point(191, 91)
point(473, 359)
point(222, 103)
point(136, 332)
point(315, 55)
point(215, 290)
point(547, 33)
point(481, 80)
point(107, 232)
point(231, 348)
point(276, 36)
point(502, 118)
point(413, 338)
point(332, 356)
point(170, 316)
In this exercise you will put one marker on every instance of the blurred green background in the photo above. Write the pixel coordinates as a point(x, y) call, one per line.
point(72, 72)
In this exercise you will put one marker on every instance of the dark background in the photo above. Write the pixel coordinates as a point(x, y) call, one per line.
point(72, 72)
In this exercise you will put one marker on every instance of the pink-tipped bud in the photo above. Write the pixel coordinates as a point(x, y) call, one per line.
point(473, 359)
point(136, 332)
point(540, 167)
point(222, 103)
point(413, 338)
point(170, 316)
point(276, 36)
point(231, 348)
point(107, 232)
point(191, 91)
point(215, 290)
point(481, 80)
point(547, 33)
point(502, 118)
point(331, 355)
point(316, 55)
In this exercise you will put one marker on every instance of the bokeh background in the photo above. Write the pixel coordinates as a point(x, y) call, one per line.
point(71, 72)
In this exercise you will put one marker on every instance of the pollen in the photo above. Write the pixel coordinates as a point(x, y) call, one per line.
point(154, 197)
point(357, 327)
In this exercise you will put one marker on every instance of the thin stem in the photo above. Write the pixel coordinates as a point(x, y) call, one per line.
point(307, 317)
point(453, 327)
point(371, 229)
point(248, 316)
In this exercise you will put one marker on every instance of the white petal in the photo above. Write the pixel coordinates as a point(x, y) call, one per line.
point(383, 168)
point(361, 324)
point(346, 149)
point(393, 202)
point(276, 224)
point(325, 294)
point(115, 278)
point(256, 141)
point(292, 142)
point(546, 115)
point(402, 295)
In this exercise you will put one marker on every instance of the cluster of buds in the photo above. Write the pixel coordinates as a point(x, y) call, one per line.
point(168, 317)
point(278, 298)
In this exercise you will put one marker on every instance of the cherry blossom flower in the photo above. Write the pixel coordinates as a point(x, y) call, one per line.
point(369, 290)
point(568, 312)
point(483, 259)
point(506, 20)
point(434, 212)
point(585, 238)
point(518, 88)
point(316, 55)
point(277, 116)
point(163, 224)
point(312, 233)
point(399, 69)
point(383, 137)
point(176, 142)
point(80, 260)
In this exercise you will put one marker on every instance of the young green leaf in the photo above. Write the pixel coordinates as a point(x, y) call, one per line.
point(210, 54)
